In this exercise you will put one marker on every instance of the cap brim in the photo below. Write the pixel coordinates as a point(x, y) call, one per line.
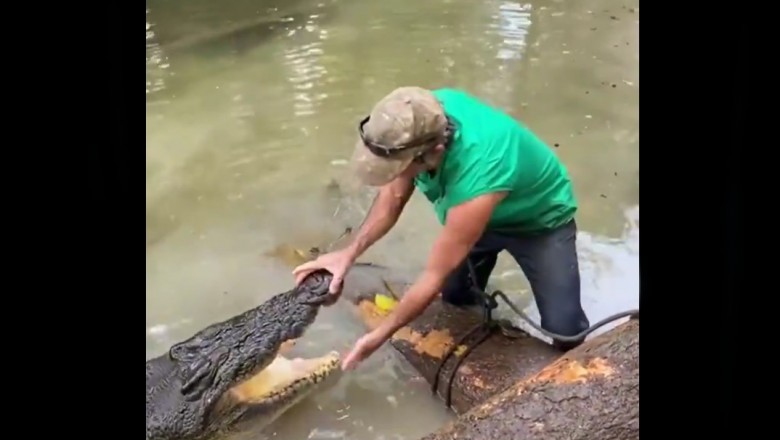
point(373, 170)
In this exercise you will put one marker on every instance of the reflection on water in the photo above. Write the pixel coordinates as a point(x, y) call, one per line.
point(304, 62)
point(156, 61)
point(513, 19)
point(251, 113)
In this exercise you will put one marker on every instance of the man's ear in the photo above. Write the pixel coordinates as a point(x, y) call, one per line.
point(433, 155)
point(427, 159)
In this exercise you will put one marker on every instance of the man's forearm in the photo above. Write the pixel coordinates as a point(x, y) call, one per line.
point(380, 219)
point(413, 303)
point(465, 224)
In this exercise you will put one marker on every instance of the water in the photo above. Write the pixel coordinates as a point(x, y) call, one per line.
point(252, 108)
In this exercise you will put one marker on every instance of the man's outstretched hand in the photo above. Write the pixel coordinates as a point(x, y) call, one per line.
point(337, 263)
point(363, 348)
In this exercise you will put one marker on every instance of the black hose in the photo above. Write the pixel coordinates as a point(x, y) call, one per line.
point(634, 314)
point(490, 303)
point(489, 325)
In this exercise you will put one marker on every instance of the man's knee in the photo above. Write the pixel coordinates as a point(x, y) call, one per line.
point(458, 287)
point(459, 295)
point(559, 302)
point(555, 280)
point(567, 345)
point(566, 321)
point(456, 290)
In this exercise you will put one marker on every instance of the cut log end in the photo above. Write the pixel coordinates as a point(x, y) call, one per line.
point(592, 392)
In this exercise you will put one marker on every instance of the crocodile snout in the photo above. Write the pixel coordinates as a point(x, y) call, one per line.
point(315, 288)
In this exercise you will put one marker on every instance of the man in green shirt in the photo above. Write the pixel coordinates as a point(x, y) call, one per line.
point(494, 186)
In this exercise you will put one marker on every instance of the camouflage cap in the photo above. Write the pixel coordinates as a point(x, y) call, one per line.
point(400, 126)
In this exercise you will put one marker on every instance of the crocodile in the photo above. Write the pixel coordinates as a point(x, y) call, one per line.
point(233, 374)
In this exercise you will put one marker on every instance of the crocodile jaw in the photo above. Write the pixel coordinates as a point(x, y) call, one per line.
point(281, 385)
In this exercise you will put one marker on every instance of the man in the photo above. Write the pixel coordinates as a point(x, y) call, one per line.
point(494, 186)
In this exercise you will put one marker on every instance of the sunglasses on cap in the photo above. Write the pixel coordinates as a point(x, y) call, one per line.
point(388, 152)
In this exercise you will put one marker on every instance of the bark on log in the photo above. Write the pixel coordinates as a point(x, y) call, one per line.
point(496, 363)
point(591, 393)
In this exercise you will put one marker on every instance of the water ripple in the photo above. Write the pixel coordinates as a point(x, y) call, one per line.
point(155, 61)
point(307, 73)
point(511, 25)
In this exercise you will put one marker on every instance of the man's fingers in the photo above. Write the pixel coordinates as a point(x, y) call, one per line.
point(335, 285)
point(349, 361)
point(302, 271)
point(300, 276)
point(305, 267)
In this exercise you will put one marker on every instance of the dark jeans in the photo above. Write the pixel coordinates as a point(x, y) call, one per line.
point(548, 260)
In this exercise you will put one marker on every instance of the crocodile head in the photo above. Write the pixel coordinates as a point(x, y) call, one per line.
point(235, 370)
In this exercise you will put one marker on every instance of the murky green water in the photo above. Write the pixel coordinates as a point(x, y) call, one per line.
point(252, 108)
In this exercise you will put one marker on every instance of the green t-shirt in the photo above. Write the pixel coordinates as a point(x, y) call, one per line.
point(492, 152)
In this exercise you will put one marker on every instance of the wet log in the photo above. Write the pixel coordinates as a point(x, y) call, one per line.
point(592, 392)
point(490, 367)
point(513, 388)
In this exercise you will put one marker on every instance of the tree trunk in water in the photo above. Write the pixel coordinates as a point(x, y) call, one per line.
point(490, 367)
point(590, 393)
point(514, 388)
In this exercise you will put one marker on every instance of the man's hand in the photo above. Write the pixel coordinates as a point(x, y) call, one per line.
point(363, 348)
point(337, 263)
point(381, 217)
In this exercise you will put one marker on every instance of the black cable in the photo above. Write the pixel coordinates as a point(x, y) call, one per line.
point(489, 325)
point(573, 338)
point(487, 331)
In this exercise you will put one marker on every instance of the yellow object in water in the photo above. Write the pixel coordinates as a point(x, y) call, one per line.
point(384, 302)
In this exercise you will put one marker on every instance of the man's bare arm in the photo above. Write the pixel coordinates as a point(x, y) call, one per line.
point(382, 215)
point(465, 224)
